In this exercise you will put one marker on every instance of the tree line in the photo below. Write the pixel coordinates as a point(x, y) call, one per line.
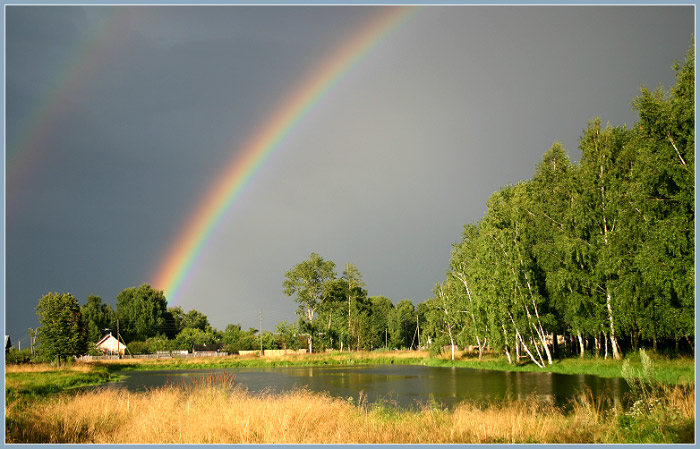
point(146, 325)
point(600, 252)
point(143, 322)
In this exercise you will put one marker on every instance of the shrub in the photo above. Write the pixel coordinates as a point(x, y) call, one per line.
point(15, 356)
point(139, 347)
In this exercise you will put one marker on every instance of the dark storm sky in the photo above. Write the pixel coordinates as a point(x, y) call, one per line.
point(118, 120)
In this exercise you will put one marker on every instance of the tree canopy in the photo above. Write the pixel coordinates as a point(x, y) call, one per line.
point(62, 332)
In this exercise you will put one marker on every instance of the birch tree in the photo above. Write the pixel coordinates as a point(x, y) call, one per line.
point(307, 280)
point(602, 183)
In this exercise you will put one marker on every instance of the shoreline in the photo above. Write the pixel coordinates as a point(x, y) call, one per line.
point(680, 370)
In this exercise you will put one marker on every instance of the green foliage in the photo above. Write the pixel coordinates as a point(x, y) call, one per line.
point(15, 356)
point(235, 339)
point(97, 317)
point(308, 281)
point(93, 349)
point(138, 347)
point(141, 312)
point(380, 307)
point(268, 340)
point(151, 345)
point(194, 336)
point(642, 383)
point(402, 324)
point(195, 320)
point(287, 336)
point(159, 343)
point(62, 332)
point(602, 249)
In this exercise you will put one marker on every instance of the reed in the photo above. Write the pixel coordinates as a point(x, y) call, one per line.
point(216, 411)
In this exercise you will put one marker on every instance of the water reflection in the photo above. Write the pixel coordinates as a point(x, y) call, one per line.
point(403, 385)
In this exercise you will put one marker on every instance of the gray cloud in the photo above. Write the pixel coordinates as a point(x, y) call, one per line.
point(383, 172)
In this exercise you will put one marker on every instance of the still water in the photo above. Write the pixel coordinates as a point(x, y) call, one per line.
point(405, 386)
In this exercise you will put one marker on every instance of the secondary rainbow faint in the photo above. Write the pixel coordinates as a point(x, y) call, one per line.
point(180, 260)
point(77, 68)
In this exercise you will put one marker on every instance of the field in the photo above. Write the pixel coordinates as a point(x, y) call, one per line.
point(216, 411)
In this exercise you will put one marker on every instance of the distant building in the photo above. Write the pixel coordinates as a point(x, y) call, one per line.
point(205, 349)
point(110, 346)
point(8, 344)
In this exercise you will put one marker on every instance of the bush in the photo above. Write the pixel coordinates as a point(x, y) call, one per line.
point(139, 347)
point(435, 349)
point(159, 343)
point(15, 356)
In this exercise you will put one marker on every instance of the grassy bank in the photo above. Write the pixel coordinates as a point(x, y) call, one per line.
point(34, 381)
point(211, 413)
point(670, 371)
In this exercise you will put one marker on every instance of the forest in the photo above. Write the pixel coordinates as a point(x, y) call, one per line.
point(595, 256)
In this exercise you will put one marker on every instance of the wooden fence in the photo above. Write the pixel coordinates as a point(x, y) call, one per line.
point(184, 354)
point(174, 355)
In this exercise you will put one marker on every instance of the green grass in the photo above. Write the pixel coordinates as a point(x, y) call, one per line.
point(668, 371)
point(36, 384)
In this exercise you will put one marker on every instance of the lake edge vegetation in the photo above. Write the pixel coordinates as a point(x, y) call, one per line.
point(215, 411)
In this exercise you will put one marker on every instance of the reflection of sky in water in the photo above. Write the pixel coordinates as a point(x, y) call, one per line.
point(401, 385)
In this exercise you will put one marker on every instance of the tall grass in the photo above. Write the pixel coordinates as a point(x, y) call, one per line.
point(47, 367)
point(215, 412)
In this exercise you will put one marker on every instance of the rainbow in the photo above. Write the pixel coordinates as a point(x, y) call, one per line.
point(77, 69)
point(180, 259)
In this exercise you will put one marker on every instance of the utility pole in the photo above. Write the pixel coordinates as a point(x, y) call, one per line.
point(261, 344)
point(418, 331)
point(119, 354)
point(32, 338)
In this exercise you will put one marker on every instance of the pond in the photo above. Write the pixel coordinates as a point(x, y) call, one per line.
point(404, 386)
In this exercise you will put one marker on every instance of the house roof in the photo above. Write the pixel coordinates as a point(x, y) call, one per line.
point(8, 342)
point(105, 338)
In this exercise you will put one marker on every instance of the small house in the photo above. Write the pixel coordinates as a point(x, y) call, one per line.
point(110, 346)
point(205, 349)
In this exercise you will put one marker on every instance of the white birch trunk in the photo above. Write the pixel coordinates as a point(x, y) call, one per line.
point(505, 339)
point(462, 278)
point(519, 338)
point(525, 347)
point(613, 339)
point(605, 341)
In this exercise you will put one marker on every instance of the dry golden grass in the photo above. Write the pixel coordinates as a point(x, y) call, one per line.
point(210, 414)
point(47, 367)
